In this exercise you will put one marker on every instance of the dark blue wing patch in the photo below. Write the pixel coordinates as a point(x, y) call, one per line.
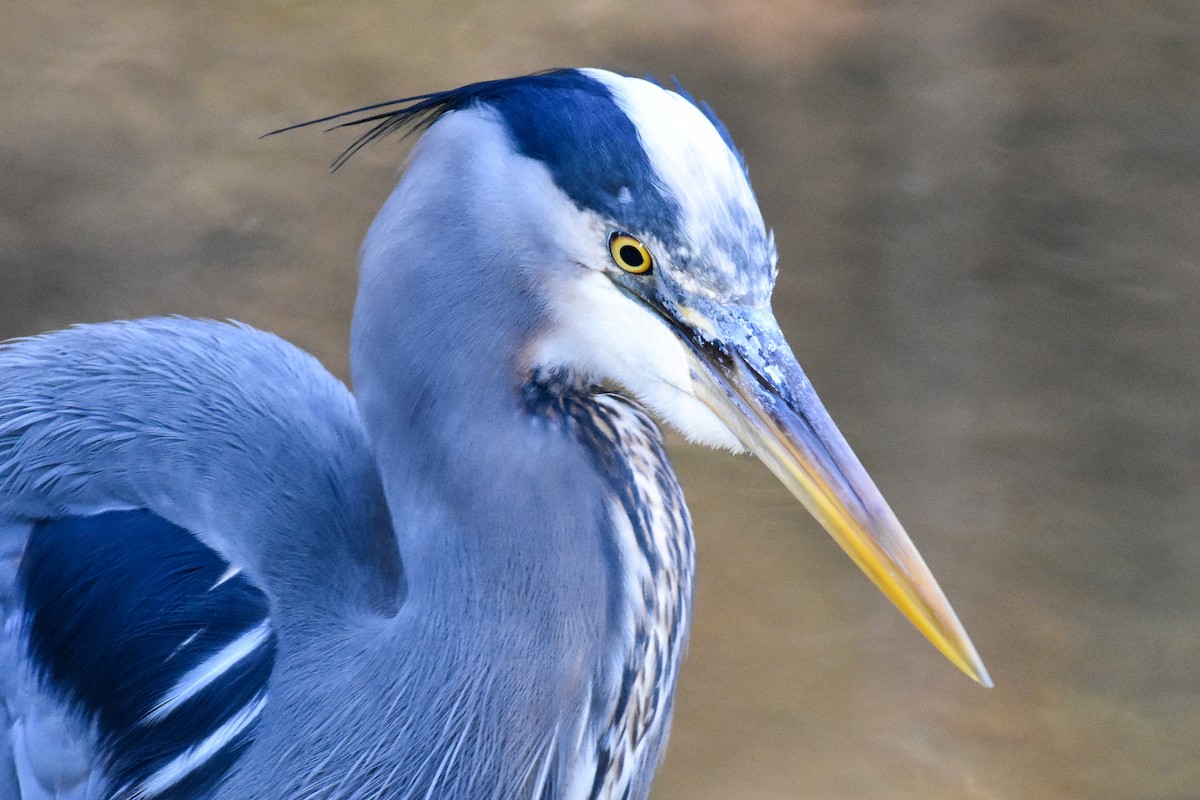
point(154, 637)
point(563, 118)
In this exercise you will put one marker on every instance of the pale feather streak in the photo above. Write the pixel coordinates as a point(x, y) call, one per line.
point(207, 672)
point(194, 757)
point(232, 571)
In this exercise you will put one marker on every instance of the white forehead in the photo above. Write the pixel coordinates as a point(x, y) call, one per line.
point(687, 152)
point(698, 168)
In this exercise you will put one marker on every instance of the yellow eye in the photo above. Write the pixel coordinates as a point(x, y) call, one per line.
point(630, 254)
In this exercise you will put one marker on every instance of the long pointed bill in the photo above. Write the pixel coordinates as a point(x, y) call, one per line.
point(745, 372)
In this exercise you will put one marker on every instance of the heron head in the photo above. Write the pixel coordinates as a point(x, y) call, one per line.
point(624, 210)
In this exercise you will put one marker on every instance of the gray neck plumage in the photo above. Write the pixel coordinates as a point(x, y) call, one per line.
point(498, 510)
point(462, 462)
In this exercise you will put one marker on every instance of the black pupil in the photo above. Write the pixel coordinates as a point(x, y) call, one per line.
point(631, 255)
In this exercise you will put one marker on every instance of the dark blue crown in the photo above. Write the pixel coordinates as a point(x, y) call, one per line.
point(564, 118)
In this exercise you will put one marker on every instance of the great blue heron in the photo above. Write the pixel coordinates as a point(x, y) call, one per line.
point(225, 576)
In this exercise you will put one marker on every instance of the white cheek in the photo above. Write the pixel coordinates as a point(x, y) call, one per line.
point(603, 336)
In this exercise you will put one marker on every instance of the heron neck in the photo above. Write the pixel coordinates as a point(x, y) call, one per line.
point(491, 504)
point(492, 507)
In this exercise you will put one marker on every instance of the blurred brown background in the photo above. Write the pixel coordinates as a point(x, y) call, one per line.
point(988, 215)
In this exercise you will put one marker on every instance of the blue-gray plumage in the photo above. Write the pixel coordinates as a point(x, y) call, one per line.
point(222, 575)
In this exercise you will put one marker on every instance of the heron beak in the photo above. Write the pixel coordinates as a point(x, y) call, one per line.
point(743, 369)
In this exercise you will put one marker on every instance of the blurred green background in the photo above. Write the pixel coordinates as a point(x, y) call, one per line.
point(988, 217)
